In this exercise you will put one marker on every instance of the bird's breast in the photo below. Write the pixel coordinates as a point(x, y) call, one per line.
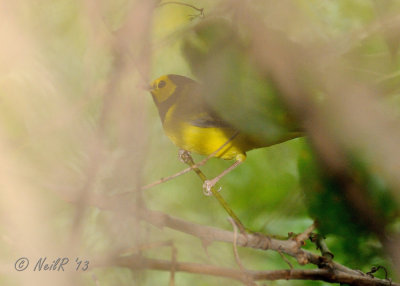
point(202, 140)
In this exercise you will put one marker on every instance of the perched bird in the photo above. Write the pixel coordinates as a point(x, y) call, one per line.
point(192, 125)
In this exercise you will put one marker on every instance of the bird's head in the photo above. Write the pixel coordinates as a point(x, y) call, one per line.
point(162, 88)
point(167, 85)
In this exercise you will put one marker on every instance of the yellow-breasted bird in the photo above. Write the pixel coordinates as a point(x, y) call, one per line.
point(192, 125)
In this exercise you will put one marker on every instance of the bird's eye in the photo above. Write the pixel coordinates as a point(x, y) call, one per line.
point(161, 84)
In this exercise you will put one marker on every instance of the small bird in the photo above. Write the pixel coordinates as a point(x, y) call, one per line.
point(192, 125)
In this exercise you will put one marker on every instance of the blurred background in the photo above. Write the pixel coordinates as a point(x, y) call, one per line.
point(78, 127)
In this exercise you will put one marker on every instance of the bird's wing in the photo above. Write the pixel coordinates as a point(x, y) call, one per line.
point(207, 119)
point(195, 110)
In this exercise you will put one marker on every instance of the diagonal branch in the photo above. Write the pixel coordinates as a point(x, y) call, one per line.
point(210, 234)
point(330, 271)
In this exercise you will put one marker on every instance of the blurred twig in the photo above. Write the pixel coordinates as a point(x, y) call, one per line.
point(210, 234)
point(200, 10)
point(192, 167)
point(141, 263)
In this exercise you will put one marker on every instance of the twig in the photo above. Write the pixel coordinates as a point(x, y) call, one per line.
point(375, 269)
point(140, 263)
point(173, 268)
point(204, 244)
point(216, 194)
point(166, 179)
point(321, 245)
point(187, 158)
point(192, 167)
point(302, 237)
point(249, 281)
point(235, 251)
point(285, 259)
point(201, 10)
point(257, 241)
point(211, 234)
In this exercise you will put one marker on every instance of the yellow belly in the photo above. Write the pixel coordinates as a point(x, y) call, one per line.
point(205, 141)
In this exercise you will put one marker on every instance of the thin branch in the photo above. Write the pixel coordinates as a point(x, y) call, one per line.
point(201, 10)
point(213, 234)
point(301, 238)
point(256, 241)
point(192, 167)
point(186, 158)
point(285, 259)
point(235, 251)
point(166, 179)
point(174, 252)
point(334, 273)
point(249, 281)
point(215, 192)
point(321, 245)
point(141, 263)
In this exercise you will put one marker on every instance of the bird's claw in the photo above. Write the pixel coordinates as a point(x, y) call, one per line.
point(207, 186)
point(184, 156)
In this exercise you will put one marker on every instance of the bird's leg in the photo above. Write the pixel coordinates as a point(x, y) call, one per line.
point(208, 184)
point(185, 157)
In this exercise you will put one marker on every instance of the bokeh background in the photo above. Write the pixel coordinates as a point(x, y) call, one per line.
point(76, 122)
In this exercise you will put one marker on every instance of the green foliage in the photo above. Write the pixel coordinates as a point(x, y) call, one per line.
point(59, 72)
point(329, 204)
point(265, 190)
point(236, 89)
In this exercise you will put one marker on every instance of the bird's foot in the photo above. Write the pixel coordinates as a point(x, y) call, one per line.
point(208, 185)
point(184, 156)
